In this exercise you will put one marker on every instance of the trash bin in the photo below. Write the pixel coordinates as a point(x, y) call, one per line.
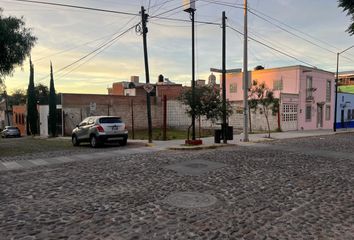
point(217, 135)
point(230, 133)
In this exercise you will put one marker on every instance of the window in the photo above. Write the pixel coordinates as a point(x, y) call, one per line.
point(233, 88)
point(16, 118)
point(308, 87)
point(308, 113)
point(278, 84)
point(328, 113)
point(328, 90)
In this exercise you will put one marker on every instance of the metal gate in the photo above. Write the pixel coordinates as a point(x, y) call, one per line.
point(289, 117)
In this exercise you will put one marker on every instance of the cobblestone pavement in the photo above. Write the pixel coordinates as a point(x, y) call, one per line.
point(256, 192)
point(82, 149)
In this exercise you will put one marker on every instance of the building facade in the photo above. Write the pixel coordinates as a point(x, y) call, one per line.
point(345, 110)
point(306, 94)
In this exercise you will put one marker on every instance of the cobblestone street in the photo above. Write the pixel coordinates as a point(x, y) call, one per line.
point(288, 189)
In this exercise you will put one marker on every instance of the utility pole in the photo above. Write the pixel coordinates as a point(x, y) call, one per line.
point(144, 18)
point(224, 124)
point(245, 77)
point(335, 97)
point(7, 108)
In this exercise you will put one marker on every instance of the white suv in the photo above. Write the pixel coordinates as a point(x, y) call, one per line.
point(100, 129)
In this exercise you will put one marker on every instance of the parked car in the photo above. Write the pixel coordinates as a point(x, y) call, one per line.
point(100, 129)
point(10, 131)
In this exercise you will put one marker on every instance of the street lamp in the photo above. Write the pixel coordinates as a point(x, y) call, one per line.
point(189, 6)
point(336, 86)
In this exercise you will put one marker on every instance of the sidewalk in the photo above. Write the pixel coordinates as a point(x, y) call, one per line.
point(208, 143)
point(253, 139)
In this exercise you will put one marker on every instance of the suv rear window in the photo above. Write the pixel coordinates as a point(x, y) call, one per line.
point(110, 120)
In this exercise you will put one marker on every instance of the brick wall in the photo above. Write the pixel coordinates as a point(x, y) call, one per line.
point(171, 91)
point(76, 107)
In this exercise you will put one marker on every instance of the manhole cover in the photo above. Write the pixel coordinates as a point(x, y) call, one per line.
point(190, 200)
point(196, 165)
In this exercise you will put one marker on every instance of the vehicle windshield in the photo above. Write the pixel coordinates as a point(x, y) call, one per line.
point(11, 128)
point(110, 120)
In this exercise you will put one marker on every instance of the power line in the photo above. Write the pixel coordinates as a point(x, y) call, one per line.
point(252, 11)
point(92, 52)
point(78, 7)
point(170, 10)
point(274, 49)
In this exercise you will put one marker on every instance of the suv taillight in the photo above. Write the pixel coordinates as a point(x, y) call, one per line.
point(100, 128)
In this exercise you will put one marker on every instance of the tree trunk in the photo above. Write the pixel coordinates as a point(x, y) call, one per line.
point(266, 116)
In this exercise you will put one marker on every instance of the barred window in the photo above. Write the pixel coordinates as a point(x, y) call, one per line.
point(328, 91)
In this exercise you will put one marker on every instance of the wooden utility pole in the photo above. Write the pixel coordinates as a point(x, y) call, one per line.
point(144, 18)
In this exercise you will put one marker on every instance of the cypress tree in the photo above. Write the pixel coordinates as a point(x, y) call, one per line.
point(32, 112)
point(52, 105)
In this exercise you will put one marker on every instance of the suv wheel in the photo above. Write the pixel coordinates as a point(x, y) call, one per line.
point(94, 142)
point(75, 141)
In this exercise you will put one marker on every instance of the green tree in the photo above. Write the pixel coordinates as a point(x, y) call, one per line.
point(262, 98)
point(16, 42)
point(348, 6)
point(208, 103)
point(18, 97)
point(52, 106)
point(32, 112)
point(42, 94)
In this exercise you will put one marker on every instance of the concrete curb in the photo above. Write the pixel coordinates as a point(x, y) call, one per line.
point(200, 147)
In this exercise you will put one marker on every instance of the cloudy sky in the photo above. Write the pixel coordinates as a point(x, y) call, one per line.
point(310, 31)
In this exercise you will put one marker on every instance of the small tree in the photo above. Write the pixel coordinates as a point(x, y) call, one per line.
point(18, 97)
point(52, 106)
point(262, 98)
point(208, 103)
point(32, 112)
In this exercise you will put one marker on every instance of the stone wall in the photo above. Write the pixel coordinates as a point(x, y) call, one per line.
point(77, 107)
point(177, 118)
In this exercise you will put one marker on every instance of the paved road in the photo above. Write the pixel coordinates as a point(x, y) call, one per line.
point(291, 189)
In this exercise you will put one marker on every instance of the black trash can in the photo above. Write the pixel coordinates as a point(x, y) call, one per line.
point(230, 133)
point(217, 135)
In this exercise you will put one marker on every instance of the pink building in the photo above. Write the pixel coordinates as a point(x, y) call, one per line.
point(306, 94)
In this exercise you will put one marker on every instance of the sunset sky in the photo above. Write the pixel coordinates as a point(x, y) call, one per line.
point(66, 35)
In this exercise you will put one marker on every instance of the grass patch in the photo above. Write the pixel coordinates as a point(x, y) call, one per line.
point(172, 134)
point(10, 147)
point(346, 88)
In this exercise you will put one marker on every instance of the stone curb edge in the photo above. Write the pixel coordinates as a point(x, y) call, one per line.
point(200, 147)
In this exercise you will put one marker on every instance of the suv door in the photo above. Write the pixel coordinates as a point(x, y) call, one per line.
point(81, 129)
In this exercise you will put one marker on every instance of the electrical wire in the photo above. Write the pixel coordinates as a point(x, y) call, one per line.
point(92, 52)
point(274, 49)
point(78, 7)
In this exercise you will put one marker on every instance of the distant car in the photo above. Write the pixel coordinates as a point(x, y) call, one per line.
point(100, 129)
point(10, 131)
